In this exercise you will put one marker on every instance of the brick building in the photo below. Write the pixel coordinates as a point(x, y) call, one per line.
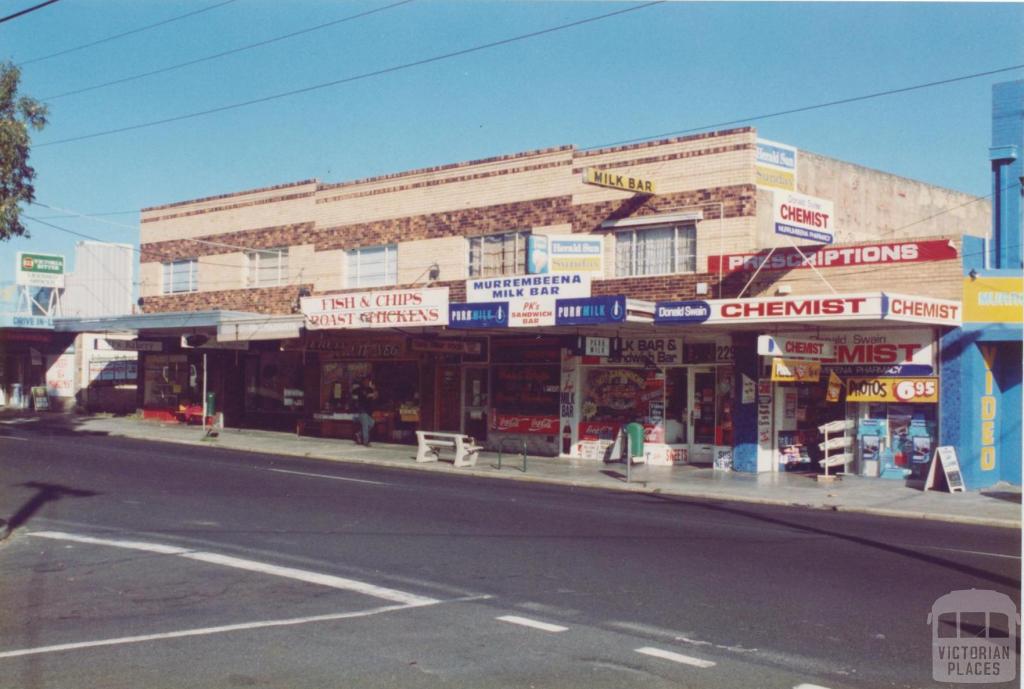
point(552, 296)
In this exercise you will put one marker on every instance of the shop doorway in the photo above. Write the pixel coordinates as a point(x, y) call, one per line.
point(449, 402)
point(692, 415)
point(474, 402)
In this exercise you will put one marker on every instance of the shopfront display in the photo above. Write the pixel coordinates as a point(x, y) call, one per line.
point(882, 388)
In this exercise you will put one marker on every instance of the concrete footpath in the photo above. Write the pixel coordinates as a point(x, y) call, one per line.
point(996, 506)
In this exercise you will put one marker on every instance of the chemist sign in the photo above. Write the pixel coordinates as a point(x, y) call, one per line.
point(804, 217)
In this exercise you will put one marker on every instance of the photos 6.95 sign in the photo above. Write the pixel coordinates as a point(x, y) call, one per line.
point(384, 309)
point(40, 270)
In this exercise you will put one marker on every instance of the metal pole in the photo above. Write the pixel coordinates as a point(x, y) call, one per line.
point(203, 404)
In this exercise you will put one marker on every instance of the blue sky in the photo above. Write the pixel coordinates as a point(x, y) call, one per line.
point(666, 68)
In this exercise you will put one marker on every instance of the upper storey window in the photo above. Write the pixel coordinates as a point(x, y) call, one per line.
point(372, 266)
point(498, 254)
point(656, 250)
point(181, 276)
point(267, 268)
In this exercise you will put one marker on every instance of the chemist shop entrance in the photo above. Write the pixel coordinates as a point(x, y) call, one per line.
point(698, 414)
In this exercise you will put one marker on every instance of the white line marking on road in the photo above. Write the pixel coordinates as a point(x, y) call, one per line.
point(527, 622)
point(969, 552)
point(334, 478)
point(330, 580)
point(675, 657)
point(202, 631)
point(809, 686)
point(11, 437)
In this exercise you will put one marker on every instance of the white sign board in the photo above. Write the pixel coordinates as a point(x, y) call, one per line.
point(945, 458)
point(794, 348)
point(381, 309)
point(557, 286)
point(531, 312)
point(803, 217)
point(569, 253)
point(810, 308)
point(60, 375)
point(39, 270)
point(924, 310)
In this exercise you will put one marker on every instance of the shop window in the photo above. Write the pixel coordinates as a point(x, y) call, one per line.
point(498, 254)
point(274, 382)
point(526, 390)
point(656, 250)
point(181, 276)
point(170, 381)
point(373, 266)
point(267, 268)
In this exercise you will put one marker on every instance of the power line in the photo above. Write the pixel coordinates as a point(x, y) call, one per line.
point(358, 77)
point(125, 33)
point(26, 11)
point(225, 53)
point(806, 108)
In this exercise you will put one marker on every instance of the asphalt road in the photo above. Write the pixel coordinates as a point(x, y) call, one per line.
point(135, 564)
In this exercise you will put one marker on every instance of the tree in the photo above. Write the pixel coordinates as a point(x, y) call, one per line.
point(17, 115)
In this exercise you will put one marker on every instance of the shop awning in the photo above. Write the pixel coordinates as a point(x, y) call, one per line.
point(177, 323)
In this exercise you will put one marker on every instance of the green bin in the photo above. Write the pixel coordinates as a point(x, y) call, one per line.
point(635, 438)
point(210, 400)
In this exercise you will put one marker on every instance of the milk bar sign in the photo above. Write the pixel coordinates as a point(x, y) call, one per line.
point(605, 178)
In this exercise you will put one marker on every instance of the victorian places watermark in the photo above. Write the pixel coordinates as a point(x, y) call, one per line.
point(974, 637)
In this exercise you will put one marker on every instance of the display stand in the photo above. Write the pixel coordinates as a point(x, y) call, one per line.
point(836, 438)
point(946, 459)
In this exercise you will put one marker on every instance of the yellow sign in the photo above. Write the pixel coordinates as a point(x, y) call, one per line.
point(835, 387)
point(604, 178)
point(795, 370)
point(993, 300)
point(772, 177)
point(905, 390)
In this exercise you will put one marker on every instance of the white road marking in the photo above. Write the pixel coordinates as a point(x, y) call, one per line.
point(408, 599)
point(536, 624)
point(334, 478)
point(969, 552)
point(675, 657)
point(809, 686)
point(201, 632)
point(11, 437)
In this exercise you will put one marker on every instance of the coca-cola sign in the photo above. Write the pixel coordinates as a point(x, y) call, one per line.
point(517, 423)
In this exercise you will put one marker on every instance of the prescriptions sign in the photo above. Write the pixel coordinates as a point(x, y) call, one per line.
point(804, 217)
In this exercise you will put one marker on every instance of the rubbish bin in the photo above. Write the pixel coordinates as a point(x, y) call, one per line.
point(635, 440)
point(210, 404)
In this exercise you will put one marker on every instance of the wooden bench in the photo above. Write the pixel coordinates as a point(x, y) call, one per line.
point(430, 444)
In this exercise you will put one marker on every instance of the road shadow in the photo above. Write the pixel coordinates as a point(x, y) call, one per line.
point(860, 540)
point(45, 493)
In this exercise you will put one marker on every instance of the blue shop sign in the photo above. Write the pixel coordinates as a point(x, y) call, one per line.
point(590, 310)
point(478, 315)
point(681, 311)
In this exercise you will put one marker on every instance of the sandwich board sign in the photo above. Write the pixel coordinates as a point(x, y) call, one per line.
point(946, 459)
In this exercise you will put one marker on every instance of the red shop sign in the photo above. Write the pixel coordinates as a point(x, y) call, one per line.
point(515, 423)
